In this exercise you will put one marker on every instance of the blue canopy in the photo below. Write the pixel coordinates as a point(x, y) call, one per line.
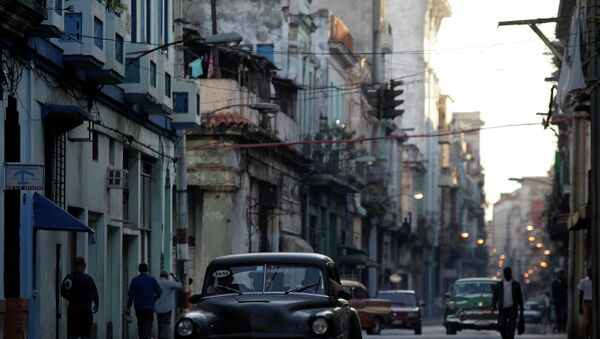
point(48, 216)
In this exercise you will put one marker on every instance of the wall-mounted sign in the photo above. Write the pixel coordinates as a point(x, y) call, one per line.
point(19, 176)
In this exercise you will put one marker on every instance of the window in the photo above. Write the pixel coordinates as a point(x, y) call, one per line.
point(146, 194)
point(265, 50)
point(445, 156)
point(134, 21)
point(132, 70)
point(148, 21)
point(98, 33)
point(180, 102)
point(359, 293)
point(72, 27)
point(111, 152)
point(152, 74)
point(198, 104)
point(58, 7)
point(95, 146)
point(119, 48)
point(167, 85)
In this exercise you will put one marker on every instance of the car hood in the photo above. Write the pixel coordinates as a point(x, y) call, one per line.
point(258, 313)
point(473, 301)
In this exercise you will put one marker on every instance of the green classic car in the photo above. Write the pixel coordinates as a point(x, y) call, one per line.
point(468, 305)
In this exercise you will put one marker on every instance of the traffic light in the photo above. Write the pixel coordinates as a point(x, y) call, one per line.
point(391, 100)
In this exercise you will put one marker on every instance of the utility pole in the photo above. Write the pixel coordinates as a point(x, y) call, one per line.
point(594, 72)
point(215, 50)
point(183, 256)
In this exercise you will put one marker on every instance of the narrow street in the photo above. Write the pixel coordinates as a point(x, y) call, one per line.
point(438, 331)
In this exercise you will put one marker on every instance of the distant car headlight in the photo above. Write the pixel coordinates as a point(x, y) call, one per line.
point(452, 305)
point(413, 314)
point(319, 326)
point(185, 327)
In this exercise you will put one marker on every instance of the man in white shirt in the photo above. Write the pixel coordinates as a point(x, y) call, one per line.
point(165, 304)
point(507, 295)
point(585, 302)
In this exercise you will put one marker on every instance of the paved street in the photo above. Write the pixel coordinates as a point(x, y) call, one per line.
point(434, 332)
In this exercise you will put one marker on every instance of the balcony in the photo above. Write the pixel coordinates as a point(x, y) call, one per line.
point(147, 80)
point(186, 104)
point(20, 16)
point(81, 25)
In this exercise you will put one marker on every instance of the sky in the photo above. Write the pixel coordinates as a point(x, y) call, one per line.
point(500, 72)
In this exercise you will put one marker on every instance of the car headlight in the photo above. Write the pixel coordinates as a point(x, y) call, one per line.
point(413, 314)
point(319, 326)
point(452, 305)
point(185, 327)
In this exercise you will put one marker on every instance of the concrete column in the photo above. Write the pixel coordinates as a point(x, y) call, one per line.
point(373, 255)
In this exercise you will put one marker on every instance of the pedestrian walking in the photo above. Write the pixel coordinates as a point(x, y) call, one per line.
point(166, 303)
point(509, 299)
point(80, 290)
point(585, 303)
point(143, 293)
point(559, 297)
point(547, 310)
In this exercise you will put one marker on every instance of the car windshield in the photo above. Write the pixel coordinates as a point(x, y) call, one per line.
point(399, 298)
point(474, 288)
point(265, 279)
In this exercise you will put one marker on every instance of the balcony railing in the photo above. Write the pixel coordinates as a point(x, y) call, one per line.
point(19, 16)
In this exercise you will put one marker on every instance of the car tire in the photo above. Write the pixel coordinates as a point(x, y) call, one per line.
point(450, 330)
point(375, 326)
point(418, 330)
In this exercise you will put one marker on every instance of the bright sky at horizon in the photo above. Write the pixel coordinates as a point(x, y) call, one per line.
point(500, 72)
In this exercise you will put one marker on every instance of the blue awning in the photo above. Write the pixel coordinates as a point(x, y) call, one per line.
point(48, 216)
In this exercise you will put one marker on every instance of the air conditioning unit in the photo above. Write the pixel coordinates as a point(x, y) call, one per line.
point(117, 178)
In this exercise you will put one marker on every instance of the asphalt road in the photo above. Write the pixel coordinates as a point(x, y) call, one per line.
point(435, 332)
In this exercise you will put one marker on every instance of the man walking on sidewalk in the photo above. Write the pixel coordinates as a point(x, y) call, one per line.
point(559, 297)
point(165, 304)
point(80, 290)
point(143, 293)
point(585, 303)
point(507, 295)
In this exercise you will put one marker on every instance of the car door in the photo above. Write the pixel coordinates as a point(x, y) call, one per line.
point(360, 303)
point(342, 318)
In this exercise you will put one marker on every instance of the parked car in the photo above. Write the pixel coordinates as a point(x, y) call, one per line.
point(534, 316)
point(406, 310)
point(276, 295)
point(373, 313)
point(468, 305)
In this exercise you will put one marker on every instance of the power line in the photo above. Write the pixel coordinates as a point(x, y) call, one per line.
point(356, 140)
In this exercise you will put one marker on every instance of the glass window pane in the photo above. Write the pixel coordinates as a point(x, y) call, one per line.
point(132, 70)
point(98, 33)
point(119, 48)
point(152, 74)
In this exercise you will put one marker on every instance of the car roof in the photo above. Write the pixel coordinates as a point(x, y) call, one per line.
point(396, 291)
point(352, 283)
point(483, 280)
point(312, 259)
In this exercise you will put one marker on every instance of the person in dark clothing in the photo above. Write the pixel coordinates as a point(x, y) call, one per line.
point(143, 293)
point(80, 290)
point(559, 298)
point(509, 298)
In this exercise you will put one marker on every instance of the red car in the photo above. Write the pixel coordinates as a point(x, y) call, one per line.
point(374, 314)
point(406, 311)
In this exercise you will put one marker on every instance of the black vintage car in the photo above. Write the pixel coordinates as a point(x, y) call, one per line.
point(270, 295)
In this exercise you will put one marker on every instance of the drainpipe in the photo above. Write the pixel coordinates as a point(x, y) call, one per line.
point(182, 217)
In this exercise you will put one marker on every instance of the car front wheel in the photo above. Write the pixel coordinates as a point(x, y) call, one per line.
point(375, 326)
point(450, 330)
point(418, 330)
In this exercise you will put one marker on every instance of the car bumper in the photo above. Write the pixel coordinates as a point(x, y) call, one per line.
point(475, 324)
point(405, 322)
point(255, 336)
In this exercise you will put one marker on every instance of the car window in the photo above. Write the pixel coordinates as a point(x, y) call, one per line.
point(359, 293)
point(301, 279)
point(486, 288)
point(399, 298)
point(251, 279)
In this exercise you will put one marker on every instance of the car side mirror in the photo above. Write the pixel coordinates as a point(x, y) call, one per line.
point(194, 299)
point(344, 295)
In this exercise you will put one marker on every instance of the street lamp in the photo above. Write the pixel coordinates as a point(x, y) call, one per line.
point(543, 264)
point(418, 196)
point(531, 238)
point(547, 252)
point(530, 228)
point(480, 241)
point(539, 245)
point(464, 235)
